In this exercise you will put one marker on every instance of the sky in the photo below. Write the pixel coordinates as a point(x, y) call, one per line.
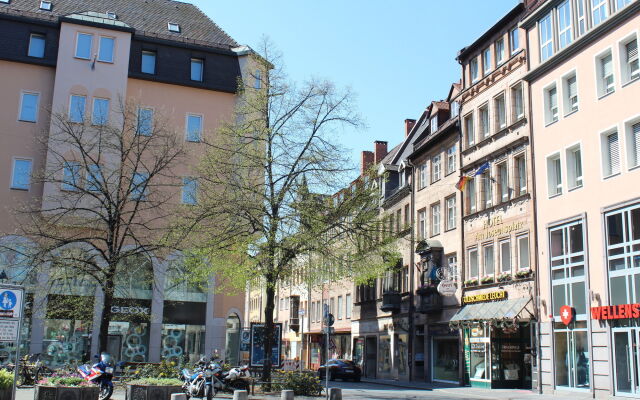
point(396, 55)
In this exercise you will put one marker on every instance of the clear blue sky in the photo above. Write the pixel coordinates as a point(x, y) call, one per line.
point(396, 55)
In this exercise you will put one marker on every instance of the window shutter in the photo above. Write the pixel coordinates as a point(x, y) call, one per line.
point(614, 153)
point(636, 142)
point(632, 50)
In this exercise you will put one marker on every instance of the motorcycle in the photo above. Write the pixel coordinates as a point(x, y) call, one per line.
point(199, 382)
point(100, 374)
point(229, 381)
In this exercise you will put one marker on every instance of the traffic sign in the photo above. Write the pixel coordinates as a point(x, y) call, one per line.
point(10, 303)
point(330, 319)
point(9, 330)
point(301, 312)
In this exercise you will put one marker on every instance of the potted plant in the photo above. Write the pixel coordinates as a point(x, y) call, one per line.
point(6, 384)
point(152, 388)
point(524, 273)
point(65, 386)
point(504, 277)
point(487, 279)
point(471, 282)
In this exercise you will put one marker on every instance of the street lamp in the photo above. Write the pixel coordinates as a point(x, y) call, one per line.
point(3, 276)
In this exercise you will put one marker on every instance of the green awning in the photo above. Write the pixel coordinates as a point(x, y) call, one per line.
point(504, 309)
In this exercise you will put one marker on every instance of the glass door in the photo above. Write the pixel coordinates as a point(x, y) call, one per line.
point(627, 359)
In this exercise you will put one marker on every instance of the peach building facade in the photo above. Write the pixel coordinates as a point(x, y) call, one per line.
point(583, 75)
point(173, 63)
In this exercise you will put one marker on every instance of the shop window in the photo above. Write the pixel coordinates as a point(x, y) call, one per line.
point(66, 341)
point(132, 338)
point(384, 355)
point(182, 342)
point(445, 359)
point(135, 278)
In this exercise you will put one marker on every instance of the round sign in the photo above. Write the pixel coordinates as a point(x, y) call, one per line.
point(447, 288)
point(8, 300)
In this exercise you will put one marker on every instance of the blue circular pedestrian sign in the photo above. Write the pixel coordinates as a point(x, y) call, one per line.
point(8, 300)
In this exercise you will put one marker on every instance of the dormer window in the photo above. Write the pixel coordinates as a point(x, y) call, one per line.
point(434, 123)
point(173, 27)
point(46, 5)
point(112, 15)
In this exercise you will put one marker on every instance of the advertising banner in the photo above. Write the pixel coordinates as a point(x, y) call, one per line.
point(257, 345)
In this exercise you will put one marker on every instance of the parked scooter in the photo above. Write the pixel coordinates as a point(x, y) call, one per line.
point(100, 374)
point(199, 382)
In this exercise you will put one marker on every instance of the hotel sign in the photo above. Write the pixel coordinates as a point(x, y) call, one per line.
point(496, 227)
point(619, 311)
point(480, 298)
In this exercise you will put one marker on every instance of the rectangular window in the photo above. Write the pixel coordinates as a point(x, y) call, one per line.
point(100, 115)
point(257, 82)
point(620, 4)
point(546, 37)
point(488, 260)
point(503, 182)
point(523, 252)
point(606, 81)
point(554, 175)
point(71, 176)
point(451, 212)
point(514, 40)
point(145, 121)
point(473, 263)
point(139, 186)
point(574, 167)
point(517, 102)
point(423, 176)
point(570, 85)
point(407, 216)
point(468, 130)
point(567, 257)
point(399, 221)
point(348, 306)
point(434, 124)
point(630, 60)
point(422, 224)
point(500, 109)
point(94, 178)
point(484, 121)
point(46, 5)
point(564, 25)
point(521, 171)
point(29, 107)
point(487, 190)
point(505, 257)
point(189, 191)
point(148, 65)
point(633, 138)
point(473, 67)
point(197, 69)
point(486, 60)
point(499, 51)
point(582, 20)
point(173, 27)
point(21, 174)
point(455, 109)
point(83, 45)
point(340, 307)
point(598, 11)
point(77, 108)
point(332, 306)
point(451, 159)
point(551, 104)
point(37, 44)
point(471, 195)
point(105, 52)
point(436, 168)
point(611, 155)
point(194, 128)
point(435, 219)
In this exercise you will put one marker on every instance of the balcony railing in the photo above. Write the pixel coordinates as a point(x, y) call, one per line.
point(391, 301)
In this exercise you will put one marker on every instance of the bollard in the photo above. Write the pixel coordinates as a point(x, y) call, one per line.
point(287, 395)
point(240, 395)
point(335, 394)
point(178, 396)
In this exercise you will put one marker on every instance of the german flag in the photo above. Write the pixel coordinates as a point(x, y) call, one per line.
point(462, 182)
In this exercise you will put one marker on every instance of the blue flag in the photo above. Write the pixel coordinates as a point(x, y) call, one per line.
point(482, 168)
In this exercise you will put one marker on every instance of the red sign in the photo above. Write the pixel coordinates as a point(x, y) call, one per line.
point(616, 312)
point(566, 314)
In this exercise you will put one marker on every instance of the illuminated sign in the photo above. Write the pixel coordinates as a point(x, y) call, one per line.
point(616, 312)
point(479, 298)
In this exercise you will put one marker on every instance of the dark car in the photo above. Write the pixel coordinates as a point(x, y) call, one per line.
point(343, 369)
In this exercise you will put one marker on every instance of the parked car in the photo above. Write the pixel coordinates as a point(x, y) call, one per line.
point(342, 369)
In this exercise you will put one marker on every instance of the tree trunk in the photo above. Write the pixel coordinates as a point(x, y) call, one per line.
point(268, 333)
point(108, 290)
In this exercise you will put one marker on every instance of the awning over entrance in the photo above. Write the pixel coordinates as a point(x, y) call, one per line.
point(496, 310)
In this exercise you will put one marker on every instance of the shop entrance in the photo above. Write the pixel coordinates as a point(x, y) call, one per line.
point(511, 358)
point(627, 360)
point(371, 356)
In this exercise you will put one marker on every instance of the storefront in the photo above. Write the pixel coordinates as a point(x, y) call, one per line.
point(445, 354)
point(498, 341)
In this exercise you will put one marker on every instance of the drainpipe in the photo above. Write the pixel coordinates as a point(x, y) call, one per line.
point(411, 275)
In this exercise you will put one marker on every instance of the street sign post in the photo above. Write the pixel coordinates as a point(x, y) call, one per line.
point(11, 310)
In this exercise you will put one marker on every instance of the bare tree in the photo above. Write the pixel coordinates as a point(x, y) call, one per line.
point(276, 191)
point(110, 186)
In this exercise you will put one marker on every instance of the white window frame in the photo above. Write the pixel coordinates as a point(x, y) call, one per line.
point(471, 250)
point(604, 88)
point(113, 49)
point(514, 45)
point(555, 188)
point(627, 73)
point(348, 303)
point(632, 142)
point(435, 212)
point(469, 129)
point(516, 159)
point(570, 102)
point(608, 169)
point(505, 190)
point(519, 239)
point(499, 55)
point(422, 176)
point(29, 93)
point(452, 156)
point(12, 184)
point(433, 124)
point(551, 111)
point(581, 18)
point(46, 5)
point(600, 6)
point(422, 223)
point(485, 129)
point(517, 88)
point(564, 32)
point(487, 189)
point(486, 60)
point(575, 179)
point(436, 167)
point(173, 27)
point(90, 35)
point(472, 195)
point(485, 247)
point(546, 42)
point(201, 133)
point(509, 258)
point(474, 70)
point(451, 212)
point(498, 115)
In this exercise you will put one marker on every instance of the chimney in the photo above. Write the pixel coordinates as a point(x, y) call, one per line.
point(408, 125)
point(380, 150)
point(366, 161)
